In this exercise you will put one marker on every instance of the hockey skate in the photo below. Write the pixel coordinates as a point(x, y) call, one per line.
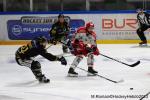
point(91, 71)
point(143, 44)
point(72, 73)
point(42, 79)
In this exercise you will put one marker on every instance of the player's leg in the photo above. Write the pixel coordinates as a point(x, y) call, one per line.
point(90, 63)
point(140, 32)
point(35, 67)
point(75, 63)
point(65, 49)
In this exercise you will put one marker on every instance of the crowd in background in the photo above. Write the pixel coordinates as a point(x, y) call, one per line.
point(72, 5)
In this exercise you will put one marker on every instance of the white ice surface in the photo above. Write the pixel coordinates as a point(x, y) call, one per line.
point(18, 83)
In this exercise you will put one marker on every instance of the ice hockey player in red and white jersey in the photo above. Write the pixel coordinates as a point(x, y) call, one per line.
point(84, 45)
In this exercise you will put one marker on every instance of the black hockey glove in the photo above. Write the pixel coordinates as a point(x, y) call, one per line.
point(76, 41)
point(94, 48)
point(91, 49)
point(63, 60)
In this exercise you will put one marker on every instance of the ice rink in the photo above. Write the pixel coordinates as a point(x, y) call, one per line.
point(18, 83)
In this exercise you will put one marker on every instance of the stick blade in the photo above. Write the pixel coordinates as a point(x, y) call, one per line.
point(120, 81)
point(135, 64)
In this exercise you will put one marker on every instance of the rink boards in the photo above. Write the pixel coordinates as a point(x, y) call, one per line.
point(111, 26)
point(22, 42)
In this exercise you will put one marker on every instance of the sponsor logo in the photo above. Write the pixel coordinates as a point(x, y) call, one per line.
point(16, 29)
point(119, 24)
point(41, 20)
point(28, 27)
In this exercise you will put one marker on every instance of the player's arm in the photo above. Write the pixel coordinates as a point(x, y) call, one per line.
point(51, 57)
point(53, 34)
point(66, 33)
point(138, 20)
point(91, 45)
point(53, 30)
point(148, 16)
point(67, 28)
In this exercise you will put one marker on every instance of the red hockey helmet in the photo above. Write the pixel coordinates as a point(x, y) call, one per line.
point(89, 25)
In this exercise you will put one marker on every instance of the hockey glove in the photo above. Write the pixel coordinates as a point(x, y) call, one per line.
point(76, 41)
point(89, 50)
point(94, 48)
point(63, 60)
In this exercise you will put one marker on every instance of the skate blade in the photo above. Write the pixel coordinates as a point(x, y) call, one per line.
point(143, 45)
point(72, 75)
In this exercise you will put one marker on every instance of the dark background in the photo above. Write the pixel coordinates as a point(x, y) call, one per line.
point(72, 5)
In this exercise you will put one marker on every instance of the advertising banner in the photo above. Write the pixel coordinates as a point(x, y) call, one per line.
point(119, 26)
point(29, 27)
point(108, 26)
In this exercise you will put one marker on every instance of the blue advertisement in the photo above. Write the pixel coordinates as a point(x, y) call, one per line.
point(29, 27)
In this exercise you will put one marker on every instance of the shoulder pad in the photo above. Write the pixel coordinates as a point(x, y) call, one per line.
point(81, 30)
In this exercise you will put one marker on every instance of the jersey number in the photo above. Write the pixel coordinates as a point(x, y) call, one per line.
point(23, 49)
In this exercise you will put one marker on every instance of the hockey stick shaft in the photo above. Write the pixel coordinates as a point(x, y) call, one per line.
point(100, 76)
point(49, 46)
point(145, 96)
point(132, 65)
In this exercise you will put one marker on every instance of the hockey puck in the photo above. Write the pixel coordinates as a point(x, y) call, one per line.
point(131, 88)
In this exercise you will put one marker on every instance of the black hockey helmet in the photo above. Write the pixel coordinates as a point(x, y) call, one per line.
point(139, 10)
point(61, 16)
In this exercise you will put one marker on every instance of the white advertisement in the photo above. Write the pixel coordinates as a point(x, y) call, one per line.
point(107, 26)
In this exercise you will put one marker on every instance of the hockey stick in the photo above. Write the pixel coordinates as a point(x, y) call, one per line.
point(49, 46)
point(145, 96)
point(102, 76)
point(132, 65)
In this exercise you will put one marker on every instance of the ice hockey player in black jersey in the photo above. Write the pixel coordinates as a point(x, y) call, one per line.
point(59, 32)
point(144, 23)
point(25, 57)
